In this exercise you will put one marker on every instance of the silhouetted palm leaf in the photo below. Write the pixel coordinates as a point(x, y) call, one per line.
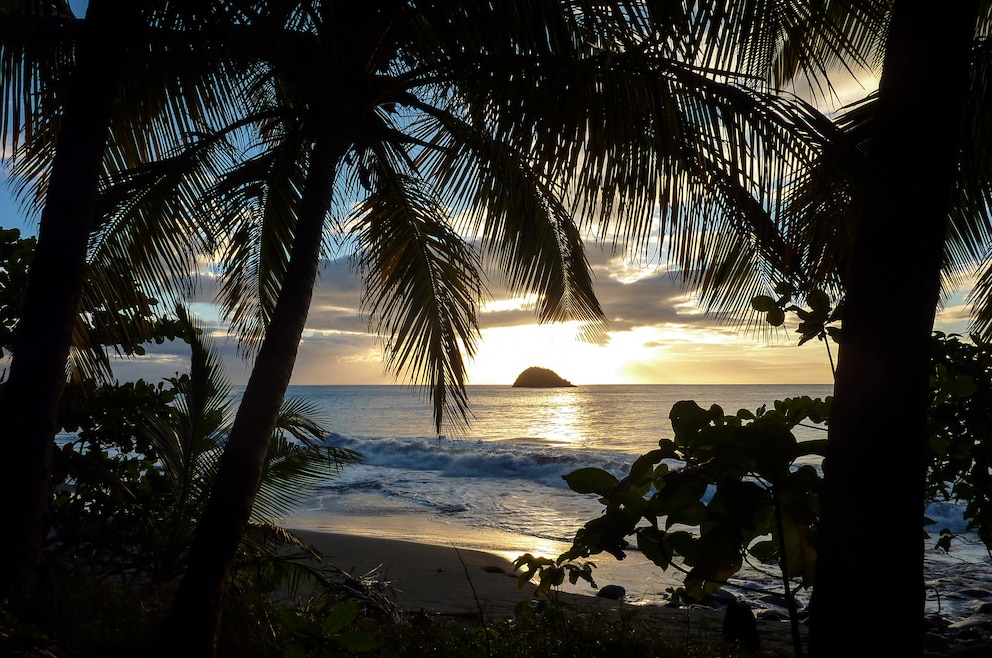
point(190, 443)
point(298, 461)
point(423, 285)
point(174, 83)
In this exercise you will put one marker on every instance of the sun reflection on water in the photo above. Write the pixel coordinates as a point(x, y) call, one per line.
point(565, 417)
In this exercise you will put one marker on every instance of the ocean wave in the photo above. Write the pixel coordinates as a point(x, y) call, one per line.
point(502, 460)
point(481, 459)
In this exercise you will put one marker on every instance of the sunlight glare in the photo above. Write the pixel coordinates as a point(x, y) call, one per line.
point(663, 354)
point(563, 417)
point(505, 352)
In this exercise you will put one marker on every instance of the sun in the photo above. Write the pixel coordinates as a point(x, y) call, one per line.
point(660, 354)
point(504, 352)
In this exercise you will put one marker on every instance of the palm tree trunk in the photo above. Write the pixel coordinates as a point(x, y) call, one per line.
point(871, 535)
point(194, 620)
point(41, 348)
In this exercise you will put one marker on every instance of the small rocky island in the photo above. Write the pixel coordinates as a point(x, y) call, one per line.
point(535, 377)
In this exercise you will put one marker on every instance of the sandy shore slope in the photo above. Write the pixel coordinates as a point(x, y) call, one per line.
point(441, 579)
point(456, 582)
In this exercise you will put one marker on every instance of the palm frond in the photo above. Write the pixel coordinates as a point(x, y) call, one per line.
point(637, 132)
point(823, 200)
point(155, 169)
point(188, 442)
point(35, 55)
point(292, 472)
point(422, 286)
point(270, 557)
point(980, 300)
point(493, 192)
point(297, 461)
point(814, 39)
point(257, 203)
point(302, 420)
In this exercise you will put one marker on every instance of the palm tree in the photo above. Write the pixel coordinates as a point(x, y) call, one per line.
point(895, 209)
point(409, 125)
point(37, 371)
point(64, 102)
point(889, 220)
point(190, 442)
point(599, 118)
point(874, 470)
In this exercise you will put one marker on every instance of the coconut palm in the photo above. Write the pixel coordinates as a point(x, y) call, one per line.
point(891, 221)
point(405, 127)
point(888, 218)
point(36, 378)
point(874, 471)
point(71, 88)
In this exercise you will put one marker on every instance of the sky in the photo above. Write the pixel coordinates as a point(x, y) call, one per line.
point(655, 333)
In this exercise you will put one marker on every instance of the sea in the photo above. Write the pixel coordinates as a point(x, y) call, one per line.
point(496, 484)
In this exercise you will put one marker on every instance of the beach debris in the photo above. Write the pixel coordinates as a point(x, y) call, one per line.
point(612, 592)
point(371, 588)
point(740, 626)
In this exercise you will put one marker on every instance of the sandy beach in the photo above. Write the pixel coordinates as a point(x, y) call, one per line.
point(439, 579)
point(457, 582)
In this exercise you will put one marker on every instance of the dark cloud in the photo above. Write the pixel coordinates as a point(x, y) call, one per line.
point(652, 300)
point(335, 320)
point(648, 301)
point(509, 318)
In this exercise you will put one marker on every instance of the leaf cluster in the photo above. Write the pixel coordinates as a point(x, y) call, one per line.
point(726, 488)
point(116, 314)
point(959, 417)
point(308, 637)
point(814, 321)
point(729, 488)
point(551, 574)
point(110, 500)
point(960, 430)
point(16, 254)
point(130, 488)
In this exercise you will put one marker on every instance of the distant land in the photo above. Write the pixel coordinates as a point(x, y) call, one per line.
point(535, 377)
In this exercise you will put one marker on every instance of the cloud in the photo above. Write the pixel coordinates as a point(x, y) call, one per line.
point(953, 319)
point(654, 332)
point(631, 297)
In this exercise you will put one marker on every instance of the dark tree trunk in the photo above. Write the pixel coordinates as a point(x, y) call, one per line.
point(194, 620)
point(871, 529)
point(38, 368)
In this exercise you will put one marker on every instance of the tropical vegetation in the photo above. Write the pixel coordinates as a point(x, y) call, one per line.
point(730, 489)
point(130, 481)
point(400, 127)
point(889, 273)
point(84, 102)
point(433, 115)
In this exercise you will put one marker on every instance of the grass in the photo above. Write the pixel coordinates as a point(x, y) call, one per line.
point(544, 634)
point(103, 618)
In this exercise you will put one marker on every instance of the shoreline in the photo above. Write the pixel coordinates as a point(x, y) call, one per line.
point(458, 582)
point(452, 570)
point(645, 583)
